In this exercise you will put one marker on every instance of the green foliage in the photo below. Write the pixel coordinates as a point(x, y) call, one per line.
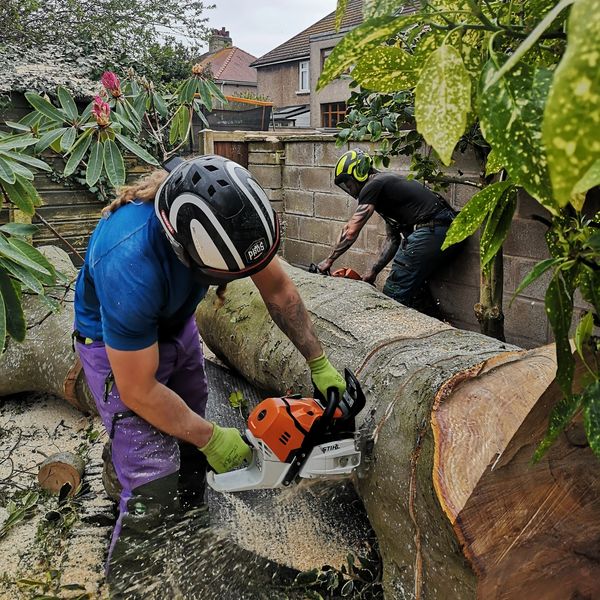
point(572, 118)
point(129, 116)
point(443, 100)
point(518, 82)
point(359, 578)
point(19, 510)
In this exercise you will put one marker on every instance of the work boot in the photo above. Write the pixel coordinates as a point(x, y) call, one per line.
point(142, 532)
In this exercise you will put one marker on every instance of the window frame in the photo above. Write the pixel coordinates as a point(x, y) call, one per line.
point(332, 110)
point(303, 69)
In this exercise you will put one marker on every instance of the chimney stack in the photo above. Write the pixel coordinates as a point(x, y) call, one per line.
point(219, 39)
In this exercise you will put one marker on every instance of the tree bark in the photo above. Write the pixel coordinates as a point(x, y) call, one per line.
point(45, 361)
point(455, 417)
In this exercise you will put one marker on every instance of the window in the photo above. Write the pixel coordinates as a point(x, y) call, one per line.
point(324, 55)
point(303, 76)
point(332, 113)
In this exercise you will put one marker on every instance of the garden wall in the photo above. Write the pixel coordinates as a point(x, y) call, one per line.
point(297, 172)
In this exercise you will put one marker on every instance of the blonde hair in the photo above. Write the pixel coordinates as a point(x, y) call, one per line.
point(144, 189)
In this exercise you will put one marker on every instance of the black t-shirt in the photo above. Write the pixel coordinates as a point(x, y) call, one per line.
point(401, 202)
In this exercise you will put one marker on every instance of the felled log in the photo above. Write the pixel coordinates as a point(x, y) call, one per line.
point(58, 470)
point(45, 361)
point(458, 508)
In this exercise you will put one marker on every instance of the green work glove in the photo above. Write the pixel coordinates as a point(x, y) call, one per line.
point(324, 376)
point(226, 450)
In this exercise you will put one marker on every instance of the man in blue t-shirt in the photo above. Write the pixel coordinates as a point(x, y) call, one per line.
point(148, 265)
point(416, 220)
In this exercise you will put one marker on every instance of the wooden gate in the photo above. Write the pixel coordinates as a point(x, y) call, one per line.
point(236, 151)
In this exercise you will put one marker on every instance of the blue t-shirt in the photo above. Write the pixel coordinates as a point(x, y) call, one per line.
point(132, 289)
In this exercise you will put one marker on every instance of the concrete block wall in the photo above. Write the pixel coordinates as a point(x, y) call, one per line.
point(313, 212)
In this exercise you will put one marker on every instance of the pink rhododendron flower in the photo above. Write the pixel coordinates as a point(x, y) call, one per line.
point(101, 111)
point(112, 83)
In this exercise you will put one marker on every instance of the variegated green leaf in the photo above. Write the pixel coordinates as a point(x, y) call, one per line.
point(493, 163)
point(587, 182)
point(511, 113)
point(560, 417)
point(340, 10)
point(443, 101)
point(386, 69)
point(474, 212)
point(559, 310)
point(497, 226)
point(380, 8)
point(571, 128)
point(591, 415)
point(360, 40)
point(536, 273)
point(530, 41)
point(583, 332)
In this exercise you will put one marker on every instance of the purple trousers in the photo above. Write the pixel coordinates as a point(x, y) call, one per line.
point(146, 460)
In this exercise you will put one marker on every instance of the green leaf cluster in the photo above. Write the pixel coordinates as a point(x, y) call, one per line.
point(519, 82)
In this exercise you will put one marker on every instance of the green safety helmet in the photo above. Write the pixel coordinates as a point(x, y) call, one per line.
point(355, 164)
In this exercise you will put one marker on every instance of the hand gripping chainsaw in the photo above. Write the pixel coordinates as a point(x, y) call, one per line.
point(294, 437)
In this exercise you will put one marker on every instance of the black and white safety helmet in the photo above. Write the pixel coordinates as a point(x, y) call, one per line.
point(217, 218)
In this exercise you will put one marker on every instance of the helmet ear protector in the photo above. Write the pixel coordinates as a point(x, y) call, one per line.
point(354, 164)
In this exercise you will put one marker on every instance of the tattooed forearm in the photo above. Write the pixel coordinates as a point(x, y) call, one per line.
point(291, 316)
point(351, 230)
point(390, 247)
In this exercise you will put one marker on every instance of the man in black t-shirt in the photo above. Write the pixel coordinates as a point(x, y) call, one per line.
point(416, 219)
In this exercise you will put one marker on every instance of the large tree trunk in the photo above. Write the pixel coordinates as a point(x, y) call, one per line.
point(449, 488)
point(458, 509)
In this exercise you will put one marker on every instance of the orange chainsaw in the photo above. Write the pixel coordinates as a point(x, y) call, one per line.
point(295, 438)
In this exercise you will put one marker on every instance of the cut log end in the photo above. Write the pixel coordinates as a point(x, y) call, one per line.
point(60, 469)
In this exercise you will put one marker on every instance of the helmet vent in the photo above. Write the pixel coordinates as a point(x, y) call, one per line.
point(222, 182)
point(211, 168)
point(211, 191)
point(196, 177)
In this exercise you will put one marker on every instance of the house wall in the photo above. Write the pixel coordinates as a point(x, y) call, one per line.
point(336, 91)
point(297, 172)
point(230, 89)
point(280, 84)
